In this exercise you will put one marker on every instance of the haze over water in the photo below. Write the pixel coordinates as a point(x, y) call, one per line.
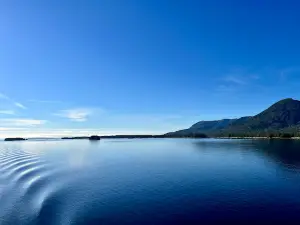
point(149, 181)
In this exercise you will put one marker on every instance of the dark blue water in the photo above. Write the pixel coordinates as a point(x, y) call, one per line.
point(150, 181)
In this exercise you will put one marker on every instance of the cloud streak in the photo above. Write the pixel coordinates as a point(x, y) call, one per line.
point(76, 115)
point(7, 112)
point(20, 105)
point(21, 122)
point(284, 74)
point(235, 79)
point(17, 104)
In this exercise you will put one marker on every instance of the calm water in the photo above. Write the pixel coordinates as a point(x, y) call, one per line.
point(151, 181)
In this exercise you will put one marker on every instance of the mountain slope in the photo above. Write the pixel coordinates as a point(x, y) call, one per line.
point(212, 125)
point(281, 116)
point(203, 127)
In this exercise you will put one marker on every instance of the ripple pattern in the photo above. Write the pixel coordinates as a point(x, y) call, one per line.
point(156, 181)
point(26, 181)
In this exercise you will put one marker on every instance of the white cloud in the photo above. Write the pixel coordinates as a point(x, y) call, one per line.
point(7, 112)
point(18, 104)
point(77, 115)
point(241, 76)
point(235, 79)
point(21, 122)
point(12, 128)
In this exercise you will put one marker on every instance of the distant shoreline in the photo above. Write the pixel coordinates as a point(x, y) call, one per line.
point(151, 136)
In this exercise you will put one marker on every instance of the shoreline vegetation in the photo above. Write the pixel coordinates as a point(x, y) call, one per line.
point(195, 136)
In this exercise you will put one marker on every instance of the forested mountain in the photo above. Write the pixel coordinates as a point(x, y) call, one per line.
point(281, 117)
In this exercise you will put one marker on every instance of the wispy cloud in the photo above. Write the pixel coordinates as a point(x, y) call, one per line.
point(17, 104)
point(7, 112)
point(284, 74)
point(21, 122)
point(235, 79)
point(45, 101)
point(3, 96)
point(77, 114)
point(12, 128)
point(241, 76)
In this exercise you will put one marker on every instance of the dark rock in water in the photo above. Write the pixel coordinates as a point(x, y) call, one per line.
point(94, 138)
point(15, 139)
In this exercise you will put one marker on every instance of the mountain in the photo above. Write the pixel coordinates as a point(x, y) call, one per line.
point(283, 116)
point(203, 127)
point(212, 125)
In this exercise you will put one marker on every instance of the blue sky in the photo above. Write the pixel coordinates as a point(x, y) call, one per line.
point(112, 67)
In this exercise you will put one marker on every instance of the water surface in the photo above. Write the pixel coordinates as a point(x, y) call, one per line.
point(149, 181)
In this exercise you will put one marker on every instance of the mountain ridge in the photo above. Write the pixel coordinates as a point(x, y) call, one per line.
point(281, 117)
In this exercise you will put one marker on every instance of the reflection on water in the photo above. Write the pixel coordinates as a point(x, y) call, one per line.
point(151, 181)
point(284, 152)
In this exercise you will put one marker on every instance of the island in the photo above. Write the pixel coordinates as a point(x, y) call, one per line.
point(94, 138)
point(15, 139)
point(72, 138)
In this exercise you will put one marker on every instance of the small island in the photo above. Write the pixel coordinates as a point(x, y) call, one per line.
point(94, 138)
point(15, 139)
point(72, 138)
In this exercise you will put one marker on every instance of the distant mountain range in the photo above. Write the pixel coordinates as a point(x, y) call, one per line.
point(283, 117)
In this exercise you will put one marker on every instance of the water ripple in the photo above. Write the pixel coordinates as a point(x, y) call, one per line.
point(26, 180)
point(152, 181)
point(17, 161)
